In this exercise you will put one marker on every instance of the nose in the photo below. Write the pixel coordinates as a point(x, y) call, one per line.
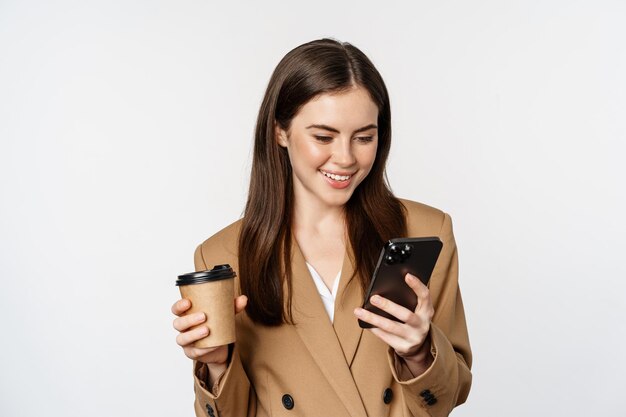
point(343, 154)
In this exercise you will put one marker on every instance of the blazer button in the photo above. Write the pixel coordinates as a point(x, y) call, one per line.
point(425, 393)
point(387, 396)
point(288, 402)
point(431, 401)
point(209, 410)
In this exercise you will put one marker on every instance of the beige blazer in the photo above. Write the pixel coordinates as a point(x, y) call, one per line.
point(318, 368)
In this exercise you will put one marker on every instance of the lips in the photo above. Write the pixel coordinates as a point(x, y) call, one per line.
point(337, 180)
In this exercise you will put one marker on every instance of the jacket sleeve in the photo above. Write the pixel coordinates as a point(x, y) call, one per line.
point(232, 395)
point(446, 383)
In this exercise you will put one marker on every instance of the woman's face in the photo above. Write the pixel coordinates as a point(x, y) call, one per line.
point(332, 146)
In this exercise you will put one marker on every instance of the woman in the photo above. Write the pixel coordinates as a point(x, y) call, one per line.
point(318, 212)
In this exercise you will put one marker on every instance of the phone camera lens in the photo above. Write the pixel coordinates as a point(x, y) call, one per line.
point(389, 259)
point(407, 248)
point(394, 249)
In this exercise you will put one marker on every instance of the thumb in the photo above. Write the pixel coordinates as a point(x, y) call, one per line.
point(421, 290)
point(240, 303)
point(416, 285)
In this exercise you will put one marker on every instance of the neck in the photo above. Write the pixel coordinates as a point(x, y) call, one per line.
point(312, 219)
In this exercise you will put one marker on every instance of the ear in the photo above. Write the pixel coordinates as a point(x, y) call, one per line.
point(280, 135)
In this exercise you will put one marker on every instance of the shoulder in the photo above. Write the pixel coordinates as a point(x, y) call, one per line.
point(422, 219)
point(221, 248)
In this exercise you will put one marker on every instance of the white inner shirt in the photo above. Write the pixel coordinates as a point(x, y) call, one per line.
point(328, 296)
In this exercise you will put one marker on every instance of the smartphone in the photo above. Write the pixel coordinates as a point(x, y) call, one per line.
point(417, 256)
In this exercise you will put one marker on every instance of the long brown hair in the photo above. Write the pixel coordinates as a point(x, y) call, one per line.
point(373, 214)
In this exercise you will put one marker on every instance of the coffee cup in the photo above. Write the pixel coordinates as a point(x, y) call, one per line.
point(212, 292)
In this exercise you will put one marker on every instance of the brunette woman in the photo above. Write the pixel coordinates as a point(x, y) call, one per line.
point(318, 212)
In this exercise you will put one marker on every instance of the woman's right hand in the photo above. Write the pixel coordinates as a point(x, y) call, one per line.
point(183, 323)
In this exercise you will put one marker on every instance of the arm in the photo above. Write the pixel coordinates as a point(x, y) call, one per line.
point(429, 351)
point(223, 387)
point(230, 396)
point(447, 379)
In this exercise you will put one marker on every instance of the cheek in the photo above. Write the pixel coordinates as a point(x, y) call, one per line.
point(310, 154)
point(367, 156)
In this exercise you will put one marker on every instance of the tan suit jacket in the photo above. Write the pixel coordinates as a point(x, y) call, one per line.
point(318, 368)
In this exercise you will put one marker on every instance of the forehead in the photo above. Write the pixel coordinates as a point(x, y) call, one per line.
point(352, 108)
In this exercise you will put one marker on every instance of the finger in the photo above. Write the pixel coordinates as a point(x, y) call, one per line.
point(187, 338)
point(183, 323)
point(415, 283)
point(396, 310)
point(394, 341)
point(389, 326)
point(195, 353)
point(180, 306)
point(421, 290)
point(240, 303)
point(403, 346)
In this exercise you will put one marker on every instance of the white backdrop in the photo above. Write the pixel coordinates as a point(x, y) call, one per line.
point(126, 131)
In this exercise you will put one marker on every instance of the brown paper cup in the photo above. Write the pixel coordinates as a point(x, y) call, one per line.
point(215, 298)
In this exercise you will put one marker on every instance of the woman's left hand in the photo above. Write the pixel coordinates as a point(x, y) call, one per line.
point(409, 339)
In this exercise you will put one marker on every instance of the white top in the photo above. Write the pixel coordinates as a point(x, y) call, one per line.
point(328, 296)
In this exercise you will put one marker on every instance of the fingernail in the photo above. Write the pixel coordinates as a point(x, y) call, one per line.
point(357, 311)
point(200, 317)
point(376, 299)
point(204, 331)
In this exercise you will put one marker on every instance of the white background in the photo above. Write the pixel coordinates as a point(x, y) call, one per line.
point(126, 131)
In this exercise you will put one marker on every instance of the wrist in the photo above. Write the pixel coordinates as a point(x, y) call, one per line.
point(216, 369)
point(421, 355)
point(418, 362)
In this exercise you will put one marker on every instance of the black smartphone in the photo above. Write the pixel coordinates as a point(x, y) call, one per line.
point(415, 255)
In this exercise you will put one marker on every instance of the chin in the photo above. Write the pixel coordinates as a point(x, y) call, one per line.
point(339, 200)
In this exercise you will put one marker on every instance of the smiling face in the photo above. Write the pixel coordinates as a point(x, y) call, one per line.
point(332, 144)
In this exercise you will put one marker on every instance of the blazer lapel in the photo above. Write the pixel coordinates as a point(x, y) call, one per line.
point(349, 296)
point(316, 331)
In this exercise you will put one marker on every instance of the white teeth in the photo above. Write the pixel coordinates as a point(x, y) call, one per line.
point(336, 177)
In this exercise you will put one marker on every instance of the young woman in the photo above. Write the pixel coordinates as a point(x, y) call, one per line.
point(318, 212)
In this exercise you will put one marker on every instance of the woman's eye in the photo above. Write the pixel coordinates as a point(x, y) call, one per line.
point(365, 139)
point(323, 139)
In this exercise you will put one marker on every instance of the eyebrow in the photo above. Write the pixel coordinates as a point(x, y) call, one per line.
point(332, 129)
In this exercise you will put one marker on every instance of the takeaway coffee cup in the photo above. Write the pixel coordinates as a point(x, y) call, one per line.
point(212, 292)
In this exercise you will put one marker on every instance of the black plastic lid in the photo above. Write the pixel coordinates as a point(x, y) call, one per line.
point(217, 273)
